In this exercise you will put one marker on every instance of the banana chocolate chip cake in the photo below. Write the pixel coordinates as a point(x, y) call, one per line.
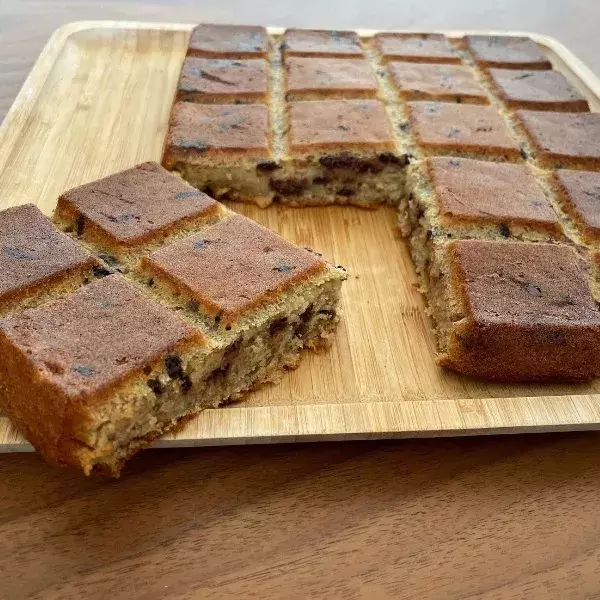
point(156, 303)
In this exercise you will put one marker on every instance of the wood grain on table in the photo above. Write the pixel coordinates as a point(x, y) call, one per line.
point(479, 518)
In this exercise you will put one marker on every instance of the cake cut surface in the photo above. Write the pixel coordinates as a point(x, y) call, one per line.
point(314, 78)
point(563, 139)
point(220, 80)
point(515, 311)
point(537, 90)
point(229, 41)
point(449, 83)
point(579, 194)
point(232, 266)
point(339, 124)
point(509, 52)
point(416, 47)
point(35, 255)
point(316, 42)
point(463, 130)
point(135, 206)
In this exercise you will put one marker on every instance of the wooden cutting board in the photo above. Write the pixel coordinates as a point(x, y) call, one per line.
point(98, 101)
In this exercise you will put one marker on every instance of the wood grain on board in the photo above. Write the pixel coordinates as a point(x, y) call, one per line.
point(479, 518)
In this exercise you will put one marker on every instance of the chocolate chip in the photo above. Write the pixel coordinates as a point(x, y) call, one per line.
point(109, 259)
point(504, 230)
point(84, 370)
point(184, 195)
point(174, 366)
point(484, 128)
point(283, 268)
point(150, 281)
point(200, 244)
point(147, 370)
point(347, 161)
point(454, 162)
point(277, 326)
point(346, 191)
point(533, 289)
point(156, 386)
point(523, 152)
point(100, 271)
point(80, 224)
point(458, 100)
point(17, 253)
point(405, 127)
point(321, 180)
point(267, 165)
point(389, 158)
point(192, 304)
point(453, 132)
point(186, 384)
point(301, 327)
point(218, 319)
point(343, 127)
point(288, 186)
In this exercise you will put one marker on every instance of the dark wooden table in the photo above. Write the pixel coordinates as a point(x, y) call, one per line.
point(502, 517)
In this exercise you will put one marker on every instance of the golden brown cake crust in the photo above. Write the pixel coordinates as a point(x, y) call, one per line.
point(350, 77)
point(579, 192)
point(67, 357)
point(33, 253)
point(223, 80)
point(480, 192)
point(416, 47)
point(529, 312)
point(568, 138)
point(232, 266)
point(229, 41)
point(339, 124)
point(537, 90)
point(316, 42)
point(201, 131)
point(510, 52)
point(457, 127)
point(133, 206)
point(416, 81)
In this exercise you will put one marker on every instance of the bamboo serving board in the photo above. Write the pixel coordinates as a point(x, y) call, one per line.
point(98, 101)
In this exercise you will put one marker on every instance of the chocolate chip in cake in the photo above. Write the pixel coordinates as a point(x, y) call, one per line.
point(17, 253)
point(186, 384)
point(288, 186)
point(80, 224)
point(454, 162)
point(321, 180)
point(267, 166)
point(84, 370)
point(277, 326)
point(389, 158)
point(283, 268)
point(156, 386)
point(504, 230)
point(346, 191)
point(192, 305)
point(174, 366)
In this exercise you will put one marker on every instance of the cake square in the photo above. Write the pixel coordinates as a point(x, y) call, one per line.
point(339, 124)
point(81, 373)
point(35, 257)
point(563, 139)
point(514, 311)
point(229, 41)
point(223, 80)
point(579, 195)
point(462, 130)
point(495, 199)
point(449, 83)
point(416, 47)
point(217, 131)
point(316, 78)
point(314, 42)
point(508, 52)
point(232, 267)
point(537, 90)
point(123, 211)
